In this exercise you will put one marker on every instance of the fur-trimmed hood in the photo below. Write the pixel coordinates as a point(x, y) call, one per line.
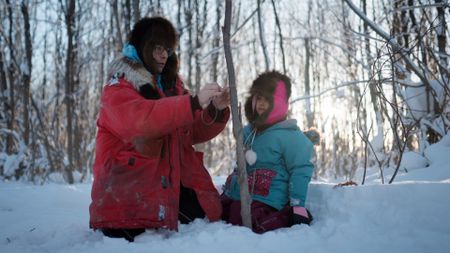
point(132, 71)
point(275, 87)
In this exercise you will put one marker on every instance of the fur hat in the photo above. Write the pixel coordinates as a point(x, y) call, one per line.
point(313, 135)
point(276, 88)
point(149, 32)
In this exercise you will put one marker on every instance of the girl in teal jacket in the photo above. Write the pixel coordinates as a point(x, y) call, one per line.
point(278, 160)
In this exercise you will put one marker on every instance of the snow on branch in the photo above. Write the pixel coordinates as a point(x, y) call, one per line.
point(392, 42)
point(421, 6)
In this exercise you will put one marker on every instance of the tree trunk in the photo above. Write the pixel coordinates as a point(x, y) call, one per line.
point(79, 102)
point(26, 74)
point(69, 87)
point(420, 72)
point(309, 113)
point(216, 41)
point(190, 49)
point(280, 34)
point(45, 136)
point(12, 84)
point(372, 89)
point(180, 31)
point(237, 124)
point(127, 17)
point(308, 109)
point(441, 30)
point(58, 83)
point(136, 11)
point(262, 38)
point(4, 106)
point(44, 79)
point(200, 28)
point(118, 37)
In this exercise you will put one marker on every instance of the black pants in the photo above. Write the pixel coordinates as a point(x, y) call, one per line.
point(189, 210)
point(128, 234)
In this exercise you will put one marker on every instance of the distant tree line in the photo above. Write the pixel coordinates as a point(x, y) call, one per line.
point(371, 76)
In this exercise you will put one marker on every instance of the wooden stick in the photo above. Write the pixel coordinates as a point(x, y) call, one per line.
point(237, 124)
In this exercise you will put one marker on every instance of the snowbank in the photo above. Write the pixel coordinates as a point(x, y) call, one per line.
point(411, 215)
point(437, 156)
point(404, 217)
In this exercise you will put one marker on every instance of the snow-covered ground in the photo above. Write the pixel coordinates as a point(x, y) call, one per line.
point(404, 217)
point(411, 215)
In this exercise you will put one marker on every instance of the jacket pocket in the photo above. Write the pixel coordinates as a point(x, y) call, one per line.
point(149, 147)
point(259, 181)
point(132, 171)
point(135, 161)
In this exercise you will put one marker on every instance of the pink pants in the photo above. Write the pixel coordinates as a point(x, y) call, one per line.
point(264, 217)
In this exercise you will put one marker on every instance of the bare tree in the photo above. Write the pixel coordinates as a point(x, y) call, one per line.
point(12, 70)
point(308, 107)
point(237, 124)
point(309, 113)
point(441, 30)
point(394, 43)
point(200, 25)
point(262, 38)
point(127, 16)
point(188, 13)
point(69, 13)
point(280, 34)
point(180, 30)
point(3, 89)
point(63, 95)
point(216, 41)
point(26, 73)
point(115, 10)
point(136, 11)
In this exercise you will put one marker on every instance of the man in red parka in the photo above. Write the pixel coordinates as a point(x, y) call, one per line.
point(146, 171)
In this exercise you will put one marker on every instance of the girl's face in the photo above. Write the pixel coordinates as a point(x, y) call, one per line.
point(262, 104)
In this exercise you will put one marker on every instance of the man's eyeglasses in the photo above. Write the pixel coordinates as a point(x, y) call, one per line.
point(160, 50)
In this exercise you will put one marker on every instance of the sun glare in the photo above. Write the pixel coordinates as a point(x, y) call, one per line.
point(333, 108)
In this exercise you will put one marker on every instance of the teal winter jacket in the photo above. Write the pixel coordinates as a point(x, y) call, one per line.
point(282, 171)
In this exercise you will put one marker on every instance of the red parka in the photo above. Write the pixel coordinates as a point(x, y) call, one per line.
point(144, 151)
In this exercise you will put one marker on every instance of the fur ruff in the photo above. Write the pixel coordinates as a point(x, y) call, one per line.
point(135, 73)
point(265, 85)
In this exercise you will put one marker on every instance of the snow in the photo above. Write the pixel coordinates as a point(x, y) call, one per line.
point(403, 217)
point(410, 215)
point(439, 160)
point(416, 99)
point(25, 69)
point(10, 163)
point(412, 161)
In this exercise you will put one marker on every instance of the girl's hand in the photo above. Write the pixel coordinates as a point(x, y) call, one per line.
point(301, 215)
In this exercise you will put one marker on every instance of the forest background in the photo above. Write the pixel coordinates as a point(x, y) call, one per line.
point(371, 76)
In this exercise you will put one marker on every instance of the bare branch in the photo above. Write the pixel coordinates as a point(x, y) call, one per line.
point(237, 124)
point(421, 73)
